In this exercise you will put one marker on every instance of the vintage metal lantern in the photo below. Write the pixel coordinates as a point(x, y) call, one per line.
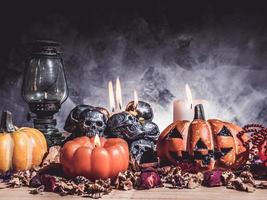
point(45, 87)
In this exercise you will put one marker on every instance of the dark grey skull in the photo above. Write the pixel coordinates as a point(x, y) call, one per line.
point(123, 125)
point(143, 110)
point(151, 131)
point(143, 151)
point(77, 116)
point(92, 122)
point(71, 124)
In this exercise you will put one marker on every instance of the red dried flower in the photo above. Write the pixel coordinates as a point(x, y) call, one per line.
point(150, 179)
point(212, 178)
point(49, 182)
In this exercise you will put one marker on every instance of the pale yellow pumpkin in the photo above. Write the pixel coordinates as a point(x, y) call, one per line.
point(20, 148)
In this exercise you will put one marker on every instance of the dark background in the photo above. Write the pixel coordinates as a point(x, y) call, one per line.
point(218, 47)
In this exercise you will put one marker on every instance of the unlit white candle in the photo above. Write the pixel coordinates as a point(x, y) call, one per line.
point(183, 111)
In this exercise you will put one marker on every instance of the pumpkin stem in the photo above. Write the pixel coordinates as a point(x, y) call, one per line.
point(6, 122)
point(199, 112)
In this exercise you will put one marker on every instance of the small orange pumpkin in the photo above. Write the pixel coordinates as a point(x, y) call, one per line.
point(20, 149)
point(83, 157)
point(210, 144)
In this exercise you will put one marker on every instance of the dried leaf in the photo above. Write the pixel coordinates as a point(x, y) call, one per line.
point(35, 182)
point(238, 184)
point(227, 177)
point(127, 180)
point(262, 185)
point(37, 190)
point(247, 177)
point(53, 155)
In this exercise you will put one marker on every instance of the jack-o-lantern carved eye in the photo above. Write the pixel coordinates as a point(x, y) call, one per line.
point(200, 145)
point(174, 133)
point(225, 132)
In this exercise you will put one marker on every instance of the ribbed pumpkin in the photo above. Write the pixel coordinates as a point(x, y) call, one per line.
point(210, 144)
point(83, 156)
point(20, 148)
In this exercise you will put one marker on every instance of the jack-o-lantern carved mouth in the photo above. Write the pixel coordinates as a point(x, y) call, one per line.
point(198, 155)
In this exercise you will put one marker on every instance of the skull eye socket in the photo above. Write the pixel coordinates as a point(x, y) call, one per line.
point(99, 123)
point(87, 123)
point(130, 118)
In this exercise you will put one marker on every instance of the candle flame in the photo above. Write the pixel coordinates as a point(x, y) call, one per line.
point(135, 99)
point(97, 141)
point(111, 96)
point(118, 94)
point(189, 96)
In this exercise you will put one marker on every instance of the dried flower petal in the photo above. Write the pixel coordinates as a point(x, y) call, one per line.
point(212, 178)
point(49, 182)
point(150, 179)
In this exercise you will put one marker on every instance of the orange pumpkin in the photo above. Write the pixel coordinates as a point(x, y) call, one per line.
point(84, 157)
point(20, 149)
point(210, 144)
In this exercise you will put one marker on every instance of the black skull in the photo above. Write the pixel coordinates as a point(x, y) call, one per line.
point(71, 124)
point(151, 131)
point(140, 135)
point(143, 151)
point(75, 121)
point(123, 125)
point(143, 110)
point(92, 122)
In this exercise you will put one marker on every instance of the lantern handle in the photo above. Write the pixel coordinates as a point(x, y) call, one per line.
point(6, 122)
point(199, 112)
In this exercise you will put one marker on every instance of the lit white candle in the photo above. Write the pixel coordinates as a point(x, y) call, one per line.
point(135, 99)
point(118, 94)
point(115, 101)
point(184, 109)
point(111, 96)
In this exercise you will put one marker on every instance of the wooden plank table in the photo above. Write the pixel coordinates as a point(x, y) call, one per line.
point(201, 193)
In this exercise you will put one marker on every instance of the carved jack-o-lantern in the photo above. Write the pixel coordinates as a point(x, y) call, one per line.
point(210, 144)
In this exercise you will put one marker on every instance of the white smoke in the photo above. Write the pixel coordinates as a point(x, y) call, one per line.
point(221, 64)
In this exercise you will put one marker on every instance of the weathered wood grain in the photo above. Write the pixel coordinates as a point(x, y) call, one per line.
point(218, 193)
